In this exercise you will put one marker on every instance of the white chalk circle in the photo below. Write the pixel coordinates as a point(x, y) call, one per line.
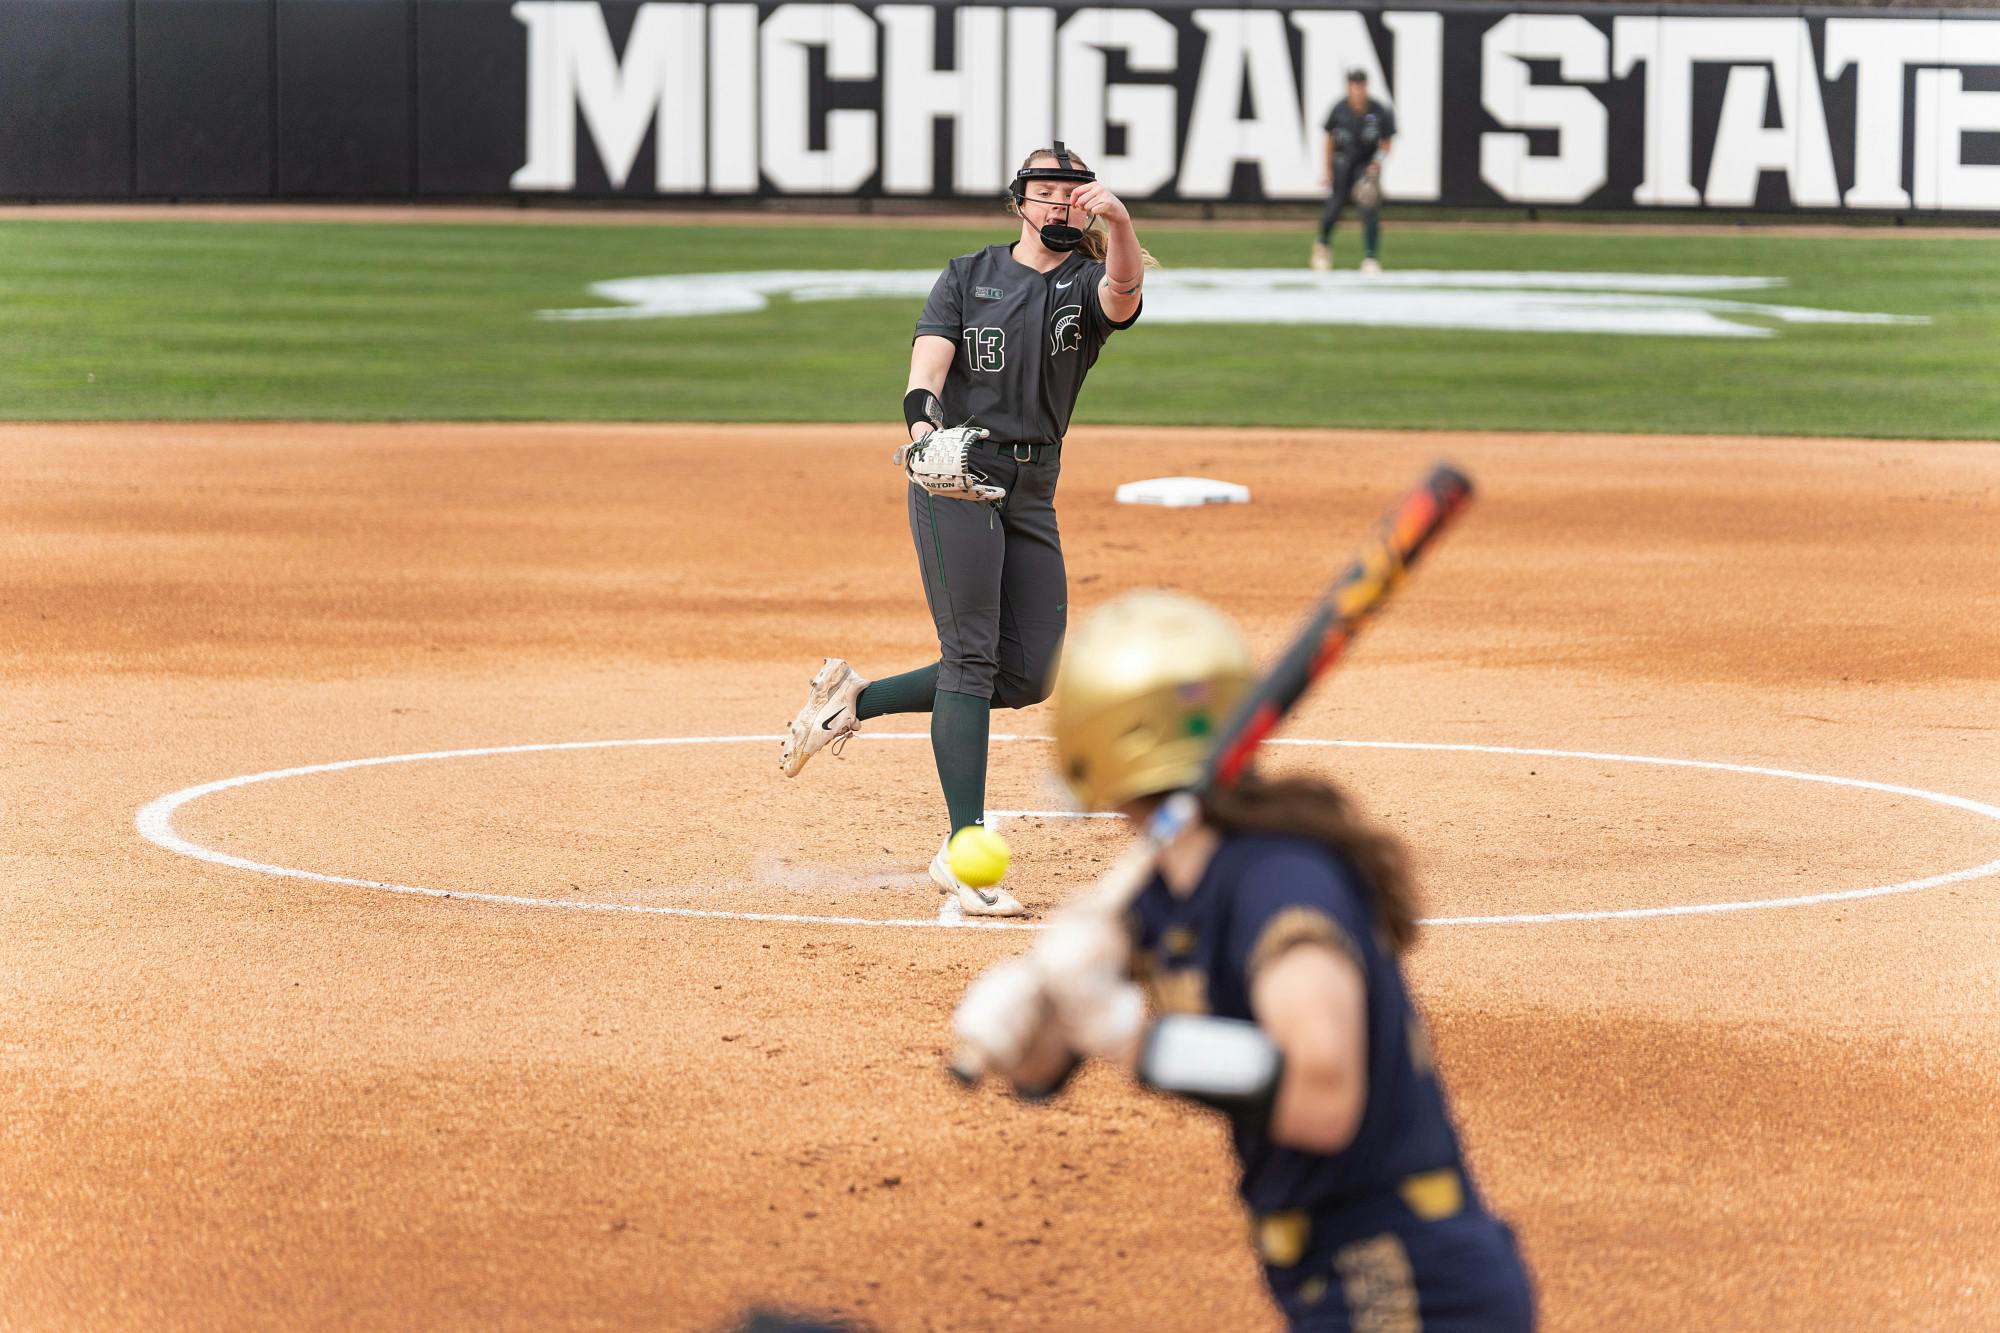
point(155, 823)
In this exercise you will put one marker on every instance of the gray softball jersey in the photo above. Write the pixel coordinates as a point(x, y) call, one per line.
point(1358, 134)
point(1025, 341)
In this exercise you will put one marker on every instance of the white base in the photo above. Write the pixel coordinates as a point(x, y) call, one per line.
point(1182, 492)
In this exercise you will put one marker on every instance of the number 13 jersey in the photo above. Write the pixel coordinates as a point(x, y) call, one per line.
point(1025, 341)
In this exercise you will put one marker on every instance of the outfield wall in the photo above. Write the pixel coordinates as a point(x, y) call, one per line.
point(1602, 107)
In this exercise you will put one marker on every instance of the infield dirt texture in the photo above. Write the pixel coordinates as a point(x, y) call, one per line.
point(235, 1098)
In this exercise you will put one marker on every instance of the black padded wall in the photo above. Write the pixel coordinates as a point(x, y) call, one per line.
point(1776, 107)
point(65, 98)
point(203, 80)
point(345, 103)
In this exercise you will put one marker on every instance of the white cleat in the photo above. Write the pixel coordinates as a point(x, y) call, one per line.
point(1370, 267)
point(827, 719)
point(989, 901)
point(1322, 258)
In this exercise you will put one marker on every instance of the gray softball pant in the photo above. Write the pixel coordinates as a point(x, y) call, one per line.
point(994, 577)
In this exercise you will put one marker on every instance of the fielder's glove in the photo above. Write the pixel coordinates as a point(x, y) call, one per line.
point(938, 464)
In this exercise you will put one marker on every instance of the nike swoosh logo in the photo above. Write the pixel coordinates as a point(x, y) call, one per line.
point(828, 724)
point(1062, 285)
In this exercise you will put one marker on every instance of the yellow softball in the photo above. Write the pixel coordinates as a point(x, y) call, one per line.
point(978, 856)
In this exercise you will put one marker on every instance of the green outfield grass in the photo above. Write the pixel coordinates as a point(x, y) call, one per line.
point(152, 320)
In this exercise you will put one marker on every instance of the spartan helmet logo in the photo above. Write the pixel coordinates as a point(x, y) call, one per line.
point(1066, 330)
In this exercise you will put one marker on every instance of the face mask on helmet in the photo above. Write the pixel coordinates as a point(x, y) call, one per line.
point(1059, 236)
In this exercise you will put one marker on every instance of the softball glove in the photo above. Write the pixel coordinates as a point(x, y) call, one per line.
point(939, 464)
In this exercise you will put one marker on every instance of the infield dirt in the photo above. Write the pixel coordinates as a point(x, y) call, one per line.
point(236, 1100)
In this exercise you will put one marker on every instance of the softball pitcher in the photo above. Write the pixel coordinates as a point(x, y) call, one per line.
point(1267, 948)
point(1001, 350)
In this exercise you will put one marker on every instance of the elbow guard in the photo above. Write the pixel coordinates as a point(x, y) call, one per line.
point(1223, 1063)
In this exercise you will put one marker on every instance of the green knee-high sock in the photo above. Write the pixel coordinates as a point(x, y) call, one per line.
point(1371, 233)
point(911, 692)
point(959, 727)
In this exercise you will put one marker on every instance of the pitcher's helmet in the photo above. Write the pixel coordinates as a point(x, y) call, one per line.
point(1055, 235)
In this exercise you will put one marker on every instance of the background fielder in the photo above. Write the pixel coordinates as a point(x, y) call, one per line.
point(1358, 131)
point(1004, 344)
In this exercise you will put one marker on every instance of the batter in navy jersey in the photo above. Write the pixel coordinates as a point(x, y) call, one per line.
point(1388, 1231)
point(1003, 344)
point(1276, 920)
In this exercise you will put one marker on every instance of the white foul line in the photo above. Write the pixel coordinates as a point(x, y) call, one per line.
point(1696, 909)
point(155, 823)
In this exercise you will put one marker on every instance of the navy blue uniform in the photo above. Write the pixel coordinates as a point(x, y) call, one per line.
point(1389, 1233)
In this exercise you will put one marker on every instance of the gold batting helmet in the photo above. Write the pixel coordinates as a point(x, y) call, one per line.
point(1146, 682)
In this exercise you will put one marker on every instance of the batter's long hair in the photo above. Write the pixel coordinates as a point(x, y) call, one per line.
point(1310, 808)
point(1094, 241)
